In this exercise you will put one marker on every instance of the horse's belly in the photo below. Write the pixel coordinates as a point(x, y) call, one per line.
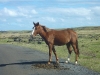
point(61, 39)
point(60, 42)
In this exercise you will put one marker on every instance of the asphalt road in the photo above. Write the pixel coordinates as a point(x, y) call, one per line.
point(15, 60)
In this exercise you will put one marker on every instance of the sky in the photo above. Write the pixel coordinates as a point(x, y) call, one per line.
point(20, 14)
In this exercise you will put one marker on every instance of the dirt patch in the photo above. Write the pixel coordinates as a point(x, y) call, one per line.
point(50, 66)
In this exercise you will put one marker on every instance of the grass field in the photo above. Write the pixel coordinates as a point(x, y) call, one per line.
point(88, 38)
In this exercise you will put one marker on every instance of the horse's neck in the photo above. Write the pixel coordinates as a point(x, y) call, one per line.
point(43, 34)
point(47, 29)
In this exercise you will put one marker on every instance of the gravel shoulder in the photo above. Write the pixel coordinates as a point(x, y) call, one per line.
point(15, 60)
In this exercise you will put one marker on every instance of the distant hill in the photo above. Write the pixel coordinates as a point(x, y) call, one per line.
point(3, 31)
point(77, 28)
point(88, 28)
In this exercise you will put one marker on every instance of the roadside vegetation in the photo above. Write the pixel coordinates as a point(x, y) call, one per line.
point(88, 40)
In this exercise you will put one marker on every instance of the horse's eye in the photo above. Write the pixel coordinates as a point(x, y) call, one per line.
point(35, 28)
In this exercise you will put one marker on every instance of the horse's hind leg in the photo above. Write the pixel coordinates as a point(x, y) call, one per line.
point(70, 51)
point(54, 51)
point(76, 51)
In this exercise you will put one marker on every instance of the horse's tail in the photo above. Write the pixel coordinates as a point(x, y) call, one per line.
point(77, 47)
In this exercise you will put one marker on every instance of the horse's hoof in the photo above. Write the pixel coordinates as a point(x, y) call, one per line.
point(48, 62)
point(57, 62)
point(76, 63)
point(66, 62)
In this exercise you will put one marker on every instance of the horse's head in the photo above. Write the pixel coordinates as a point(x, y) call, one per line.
point(39, 29)
point(36, 29)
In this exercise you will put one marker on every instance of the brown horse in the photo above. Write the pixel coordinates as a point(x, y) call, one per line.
point(53, 37)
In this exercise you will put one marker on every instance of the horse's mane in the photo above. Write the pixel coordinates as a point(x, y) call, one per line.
point(46, 29)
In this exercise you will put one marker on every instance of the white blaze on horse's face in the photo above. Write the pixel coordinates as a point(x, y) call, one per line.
point(32, 32)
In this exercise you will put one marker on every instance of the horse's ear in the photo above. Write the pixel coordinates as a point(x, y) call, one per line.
point(37, 23)
point(33, 23)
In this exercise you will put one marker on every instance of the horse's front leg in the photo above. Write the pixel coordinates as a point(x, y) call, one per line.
point(50, 53)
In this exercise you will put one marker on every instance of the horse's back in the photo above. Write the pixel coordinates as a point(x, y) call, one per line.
point(66, 32)
point(64, 36)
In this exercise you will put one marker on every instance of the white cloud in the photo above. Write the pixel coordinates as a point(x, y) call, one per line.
point(70, 11)
point(85, 14)
point(26, 12)
point(81, 11)
point(20, 11)
point(96, 10)
point(22, 14)
point(10, 12)
point(34, 11)
point(50, 19)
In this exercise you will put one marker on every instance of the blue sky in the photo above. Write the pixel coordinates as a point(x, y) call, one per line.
point(20, 14)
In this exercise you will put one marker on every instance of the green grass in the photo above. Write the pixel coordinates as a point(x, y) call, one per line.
point(89, 45)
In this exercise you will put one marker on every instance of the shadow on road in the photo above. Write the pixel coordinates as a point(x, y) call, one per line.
point(27, 63)
point(23, 63)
